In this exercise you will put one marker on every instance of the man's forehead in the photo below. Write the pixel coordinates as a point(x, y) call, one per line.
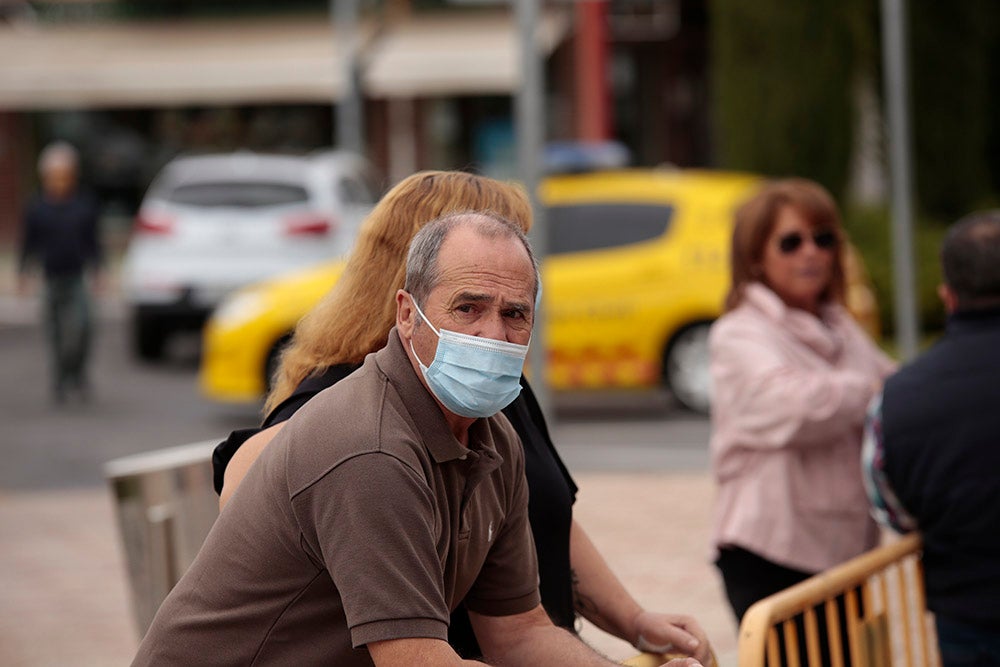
point(480, 286)
point(480, 296)
point(510, 270)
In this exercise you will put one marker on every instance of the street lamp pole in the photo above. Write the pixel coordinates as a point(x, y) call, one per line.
point(349, 116)
point(900, 171)
point(530, 126)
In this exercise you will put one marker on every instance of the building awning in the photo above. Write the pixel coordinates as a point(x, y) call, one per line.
point(251, 62)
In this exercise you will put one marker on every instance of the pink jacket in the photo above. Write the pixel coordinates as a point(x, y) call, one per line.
point(790, 393)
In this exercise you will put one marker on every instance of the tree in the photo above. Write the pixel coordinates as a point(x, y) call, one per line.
point(782, 75)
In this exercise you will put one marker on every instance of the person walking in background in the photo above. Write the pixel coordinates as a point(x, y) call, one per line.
point(792, 376)
point(354, 319)
point(60, 232)
point(932, 449)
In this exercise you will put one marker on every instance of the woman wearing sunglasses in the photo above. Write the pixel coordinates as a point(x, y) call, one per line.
point(792, 376)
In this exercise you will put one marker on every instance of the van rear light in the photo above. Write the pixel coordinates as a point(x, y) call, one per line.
point(309, 224)
point(152, 224)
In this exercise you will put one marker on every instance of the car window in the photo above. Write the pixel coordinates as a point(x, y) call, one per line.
point(239, 194)
point(354, 191)
point(583, 227)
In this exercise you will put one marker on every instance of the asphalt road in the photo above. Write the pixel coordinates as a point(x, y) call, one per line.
point(139, 407)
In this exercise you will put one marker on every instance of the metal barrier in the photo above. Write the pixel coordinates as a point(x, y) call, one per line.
point(166, 505)
point(655, 659)
point(886, 627)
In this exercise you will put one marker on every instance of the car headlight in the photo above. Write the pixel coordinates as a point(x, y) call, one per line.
point(238, 309)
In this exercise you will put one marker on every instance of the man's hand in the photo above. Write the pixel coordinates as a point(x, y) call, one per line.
point(664, 633)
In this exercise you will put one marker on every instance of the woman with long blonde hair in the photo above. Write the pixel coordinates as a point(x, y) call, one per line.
point(354, 319)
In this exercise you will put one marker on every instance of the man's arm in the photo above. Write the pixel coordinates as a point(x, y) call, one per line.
point(886, 508)
point(603, 600)
point(415, 652)
point(531, 639)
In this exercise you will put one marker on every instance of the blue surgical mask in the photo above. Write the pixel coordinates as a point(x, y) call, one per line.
point(472, 376)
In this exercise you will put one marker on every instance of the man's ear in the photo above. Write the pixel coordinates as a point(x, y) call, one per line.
point(948, 297)
point(405, 314)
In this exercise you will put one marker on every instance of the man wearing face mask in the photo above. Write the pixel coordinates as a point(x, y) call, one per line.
point(391, 497)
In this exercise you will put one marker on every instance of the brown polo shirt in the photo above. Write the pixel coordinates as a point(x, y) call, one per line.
point(364, 520)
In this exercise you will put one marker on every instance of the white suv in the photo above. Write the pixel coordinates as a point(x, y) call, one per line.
point(210, 224)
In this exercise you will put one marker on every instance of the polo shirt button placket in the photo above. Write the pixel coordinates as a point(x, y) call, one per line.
point(481, 464)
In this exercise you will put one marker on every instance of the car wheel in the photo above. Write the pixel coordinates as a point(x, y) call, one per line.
point(149, 337)
point(272, 361)
point(685, 367)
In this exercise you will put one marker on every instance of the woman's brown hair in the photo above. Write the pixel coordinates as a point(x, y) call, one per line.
point(354, 318)
point(755, 221)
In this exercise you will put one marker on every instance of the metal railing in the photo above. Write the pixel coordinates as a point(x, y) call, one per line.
point(874, 609)
point(165, 504)
point(656, 659)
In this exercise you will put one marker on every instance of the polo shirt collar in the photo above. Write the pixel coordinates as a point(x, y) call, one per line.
point(424, 411)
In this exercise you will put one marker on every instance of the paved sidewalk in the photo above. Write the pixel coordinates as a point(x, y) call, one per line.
point(65, 599)
point(653, 529)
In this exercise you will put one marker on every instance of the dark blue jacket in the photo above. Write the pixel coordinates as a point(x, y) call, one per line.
point(941, 433)
point(61, 235)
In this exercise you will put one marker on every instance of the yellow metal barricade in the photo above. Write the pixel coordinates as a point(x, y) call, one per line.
point(655, 660)
point(882, 620)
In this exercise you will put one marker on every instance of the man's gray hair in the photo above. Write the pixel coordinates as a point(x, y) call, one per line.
point(58, 153)
point(422, 273)
point(970, 260)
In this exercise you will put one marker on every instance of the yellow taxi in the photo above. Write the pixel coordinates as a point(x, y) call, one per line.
point(636, 269)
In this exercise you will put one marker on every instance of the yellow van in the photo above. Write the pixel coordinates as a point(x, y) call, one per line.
point(636, 269)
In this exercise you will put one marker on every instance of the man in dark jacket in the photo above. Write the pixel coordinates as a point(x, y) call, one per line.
point(932, 449)
point(60, 233)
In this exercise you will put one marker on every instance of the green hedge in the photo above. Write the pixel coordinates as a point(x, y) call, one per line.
point(782, 75)
point(952, 47)
point(870, 231)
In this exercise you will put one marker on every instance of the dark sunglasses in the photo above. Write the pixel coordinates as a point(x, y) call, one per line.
point(791, 242)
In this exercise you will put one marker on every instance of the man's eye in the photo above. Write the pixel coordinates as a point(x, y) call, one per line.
point(515, 314)
point(465, 308)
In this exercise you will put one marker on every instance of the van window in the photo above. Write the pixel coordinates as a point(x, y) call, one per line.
point(583, 227)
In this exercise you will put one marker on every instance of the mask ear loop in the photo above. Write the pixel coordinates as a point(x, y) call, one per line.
point(424, 318)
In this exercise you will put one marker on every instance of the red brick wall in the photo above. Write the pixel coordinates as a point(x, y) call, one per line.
point(15, 164)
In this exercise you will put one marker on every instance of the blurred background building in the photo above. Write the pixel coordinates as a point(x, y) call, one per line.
point(775, 87)
point(133, 83)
